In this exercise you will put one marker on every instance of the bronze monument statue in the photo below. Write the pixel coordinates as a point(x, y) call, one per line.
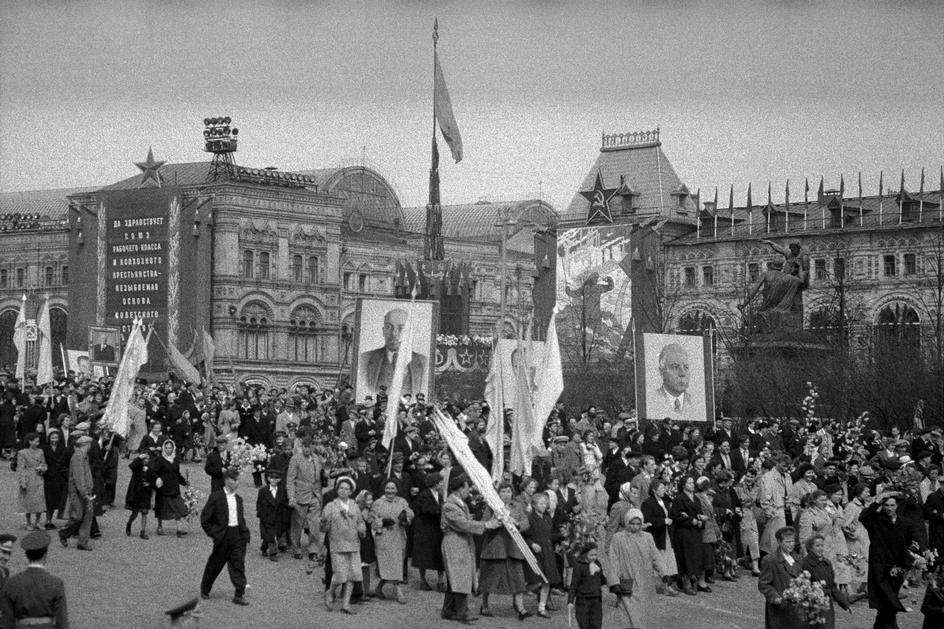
point(781, 288)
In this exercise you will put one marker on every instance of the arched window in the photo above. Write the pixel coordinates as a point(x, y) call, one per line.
point(696, 322)
point(58, 324)
point(247, 264)
point(898, 332)
point(304, 335)
point(253, 332)
point(296, 268)
point(263, 266)
point(314, 271)
point(7, 348)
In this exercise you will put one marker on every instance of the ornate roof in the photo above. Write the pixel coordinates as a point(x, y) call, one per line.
point(48, 204)
point(636, 163)
point(369, 199)
point(483, 220)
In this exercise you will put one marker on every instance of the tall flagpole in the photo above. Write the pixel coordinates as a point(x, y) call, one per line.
point(433, 216)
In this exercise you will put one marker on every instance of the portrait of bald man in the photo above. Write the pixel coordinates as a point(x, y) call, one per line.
point(375, 367)
point(672, 398)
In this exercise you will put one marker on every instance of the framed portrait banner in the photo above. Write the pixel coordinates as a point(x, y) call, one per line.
point(674, 377)
point(104, 343)
point(378, 334)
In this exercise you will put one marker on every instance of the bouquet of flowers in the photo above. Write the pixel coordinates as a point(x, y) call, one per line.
point(193, 498)
point(808, 597)
point(580, 529)
point(809, 403)
point(244, 456)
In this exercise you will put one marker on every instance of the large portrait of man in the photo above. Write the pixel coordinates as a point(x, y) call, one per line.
point(674, 377)
point(104, 345)
point(381, 329)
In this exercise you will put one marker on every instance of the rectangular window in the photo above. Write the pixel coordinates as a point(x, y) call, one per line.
point(347, 281)
point(689, 276)
point(263, 266)
point(708, 275)
point(65, 276)
point(247, 264)
point(314, 276)
point(4, 278)
point(297, 268)
point(753, 271)
point(48, 276)
point(839, 267)
point(20, 277)
point(819, 267)
point(911, 264)
point(835, 218)
point(889, 266)
point(362, 283)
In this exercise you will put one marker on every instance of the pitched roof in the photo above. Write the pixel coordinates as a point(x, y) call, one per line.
point(51, 204)
point(184, 174)
point(645, 169)
point(483, 220)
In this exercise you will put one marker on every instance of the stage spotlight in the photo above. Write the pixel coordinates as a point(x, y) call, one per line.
point(227, 120)
point(235, 131)
point(206, 122)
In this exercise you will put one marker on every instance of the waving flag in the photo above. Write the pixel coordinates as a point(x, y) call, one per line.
point(550, 383)
point(44, 373)
point(495, 430)
point(19, 340)
point(442, 105)
point(136, 354)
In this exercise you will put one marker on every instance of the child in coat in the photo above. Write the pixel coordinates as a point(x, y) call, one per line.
point(271, 504)
point(585, 595)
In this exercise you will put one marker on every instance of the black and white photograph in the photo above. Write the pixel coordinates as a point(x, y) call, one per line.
point(228, 227)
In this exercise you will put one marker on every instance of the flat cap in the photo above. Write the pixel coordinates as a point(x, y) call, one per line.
point(37, 540)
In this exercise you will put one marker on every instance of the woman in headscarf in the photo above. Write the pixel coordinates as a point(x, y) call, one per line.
point(343, 524)
point(140, 488)
point(628, 496)
point(427, 533)
point(30, 467)
point(633, 558)
point(168, 504)
point(501, 561)
point(541, 536)
point(392, 516)
point(365, 500)
point(748, 492)
point(56, 478)
point(655, 511)
point(857, 540)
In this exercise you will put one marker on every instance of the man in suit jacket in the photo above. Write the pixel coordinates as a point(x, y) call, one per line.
point(672, 398)
point(740, 458)
point(777, 569)
point(271, 505)
point(303, 484)
point(103, 352)
point(81, 496)
point(215, 466)
point(224, 521)
point(377, 365)
point(34, 597)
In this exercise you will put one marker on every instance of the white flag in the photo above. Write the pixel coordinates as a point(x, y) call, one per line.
point(495, 430)
point(550, 382)
point(442, 108)
point(44, 373)
point(404, 354)
point(19, 340)
point(119, 403)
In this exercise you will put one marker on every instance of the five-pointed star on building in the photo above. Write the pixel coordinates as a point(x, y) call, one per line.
point(151, 170)
point(599, 198)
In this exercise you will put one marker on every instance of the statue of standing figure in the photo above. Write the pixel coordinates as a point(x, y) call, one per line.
point(781, 288)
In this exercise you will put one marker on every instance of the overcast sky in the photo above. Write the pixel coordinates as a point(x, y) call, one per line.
point(742, 91)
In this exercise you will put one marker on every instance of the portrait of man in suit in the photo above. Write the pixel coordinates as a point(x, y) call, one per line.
point(103, 350)
point(376, 366)
point(674, 377)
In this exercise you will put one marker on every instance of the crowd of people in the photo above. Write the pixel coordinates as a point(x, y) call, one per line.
point(608, 503)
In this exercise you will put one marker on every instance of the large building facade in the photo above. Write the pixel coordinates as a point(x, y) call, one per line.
point(287, 255)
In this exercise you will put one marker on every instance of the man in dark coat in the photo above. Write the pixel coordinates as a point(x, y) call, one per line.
point(934, 514)
point(224, 521)
point(215, 465)
point(890, 537)
point(34, 596)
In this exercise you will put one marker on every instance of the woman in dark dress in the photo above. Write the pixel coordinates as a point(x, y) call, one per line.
point(168, 504)
point(689, 521)
point(56, 479)
point(501, 562)
point(7, 427)
point(427, 534)
point(542, 536)
point(140, 488)
point(821, 570)
point(364, 500)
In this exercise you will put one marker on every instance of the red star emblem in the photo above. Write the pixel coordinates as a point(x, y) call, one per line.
point(599, 198)
point(151, 170)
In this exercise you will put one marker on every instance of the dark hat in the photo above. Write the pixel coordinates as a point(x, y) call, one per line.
point(231, 472)
point(180, 610)
point(679, 453)
point(633, 454)
point(37, 540)
point(923, 454)
point(397, 456)
point(274, 473)
point(561, 439)
point(281, 433)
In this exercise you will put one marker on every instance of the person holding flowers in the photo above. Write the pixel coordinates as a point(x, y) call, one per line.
point(342, 523)
point(821, 569)
point(392, 516)
point(776, 572)
point(168, 504)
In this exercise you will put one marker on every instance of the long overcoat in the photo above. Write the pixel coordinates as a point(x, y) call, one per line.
point(775, 576)
point(458, 547)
